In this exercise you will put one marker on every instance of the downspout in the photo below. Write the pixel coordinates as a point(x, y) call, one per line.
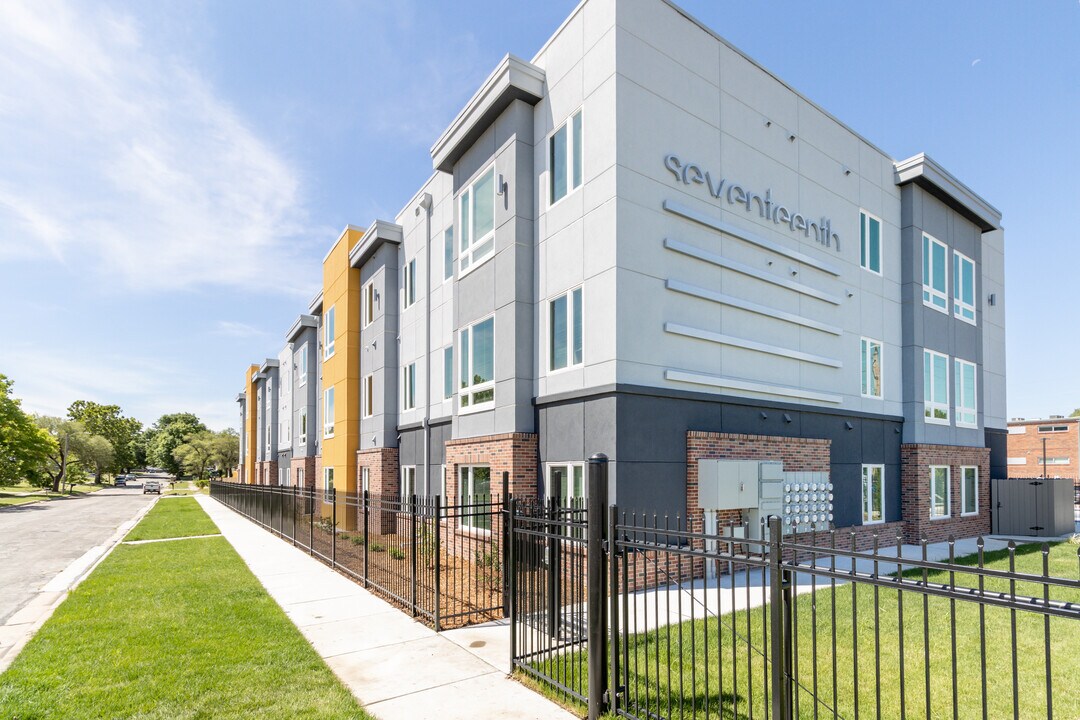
point(425, 206)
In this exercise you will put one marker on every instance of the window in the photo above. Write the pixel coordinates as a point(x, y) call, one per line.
point(369, 396)
point(966, 410)
point(269, 435)
point(566, 481)
point(478, 364)
point(969, 491)
point(963, 287)
point(448, 253)
point(565, 158)
point(933, 273)
point(328, 483)
point(409, 284)
point(1018, 430)
point(328, 414)
point(448, 372)
point(365, 479)
point(870, 255)
point(1053, 428)
point(565, 330)
point(408, 387)
point(303, 426)
point(301, 366)
point(328, 333)
point(283, 477)
point(935, 387)
point(1054, 460)
point(1017, 461)
point(369, 303)
point(939, 491)
point(300, 477)
point(873, 494)
point(442, 481)
point(474, 486)
point(871, 368)
point(478, 221)
point(408, 481)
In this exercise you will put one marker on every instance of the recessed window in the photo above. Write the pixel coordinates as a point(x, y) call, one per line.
point(873, 494)
point(478, 221)
point(328, 483)
point(934, 274)
point(963, 288)
point(369, 303)
point(408, 481)
point(939, 491)
point(565, 158)
point(408, 387)
point(448, 253)
point(409, 284)
point(369, 395)
point(1054, 460)
point(969, 491)
point(966, 399)
point(478, 364)
point(365, 479)
point(328, 414)
point(566, 484)
point(474, 487)
point(302, 366)
point(871, 367)
point(935, 387)
point(870, 254)
point(564, 347)
point(1053, 428)
point(328, 333)
point(303, 426)
point(448, 372)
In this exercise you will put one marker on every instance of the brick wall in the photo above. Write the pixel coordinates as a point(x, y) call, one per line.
point(516, 453)
point(383, 480)
point(308, 466)
point(915, 462)
point(1028, 445)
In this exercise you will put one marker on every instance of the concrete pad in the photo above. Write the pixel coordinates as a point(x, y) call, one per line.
point(315, 612)
point(490, 642)
point(375, 631)
point(41, 605)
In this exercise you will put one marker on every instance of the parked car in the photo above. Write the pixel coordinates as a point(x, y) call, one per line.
point(121, 481)
point(151, 486)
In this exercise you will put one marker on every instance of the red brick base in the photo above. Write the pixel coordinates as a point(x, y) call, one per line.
point(307, 464)
point(515, 453)
point(382, 465)
point(915, 462)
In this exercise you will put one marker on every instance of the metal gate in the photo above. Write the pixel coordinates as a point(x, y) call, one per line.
point(1032, 506)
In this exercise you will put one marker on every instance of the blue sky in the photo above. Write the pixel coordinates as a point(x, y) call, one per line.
point(171, 174)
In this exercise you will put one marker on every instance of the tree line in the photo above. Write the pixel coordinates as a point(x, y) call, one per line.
point(95, 440)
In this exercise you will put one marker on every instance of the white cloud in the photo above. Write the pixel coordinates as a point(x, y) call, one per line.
point(121, 159)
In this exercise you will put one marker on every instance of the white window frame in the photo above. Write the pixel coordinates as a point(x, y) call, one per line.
point(448, 372)
point(948, 491)
point(929, 405)
point(567, 494)
point(865, 377)
point(1056, 460)
point(368, 391)
point(368, 295)
point(468, 256)
point(574, 151)
point(1016, 461)
point(407, 481)
point(864, 242)
point(300, 477)
point(303, 426)
point(328, 482)
point(329, 329)
point(448, 257)
point(442, 481)
point(365, 478)
point(408, 387)
point(269, 434)
point(408, 284)
point(468, 391)
point(867, 500)
point(961, 308)
point(467, 481)
point(302, 366)
point(1044, 429)
point(967, 417)
point(573, 296)
point(328, 412)
point(932, 295)
point(964, 512)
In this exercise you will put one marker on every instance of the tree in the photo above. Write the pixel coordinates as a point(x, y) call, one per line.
point(24, 447)
point(123, 433)
point(1075, 413)
point(227, 454)
point(197, 454)
point(68, 437)
point(168, 433)
point(97, 455)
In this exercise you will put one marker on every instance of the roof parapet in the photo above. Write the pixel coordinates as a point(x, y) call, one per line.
point(302, 321)
point(928, 173)
point(380, 232)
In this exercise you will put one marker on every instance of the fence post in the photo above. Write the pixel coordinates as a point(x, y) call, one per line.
point(412, 523)
point(781, 702)
point(438, 563)
point(596, 585)
point(293, 511)
point(367, 538)
point(311, 523)
point(333, 532)
point(512, 506)
point(613, 609)
point(505, 543)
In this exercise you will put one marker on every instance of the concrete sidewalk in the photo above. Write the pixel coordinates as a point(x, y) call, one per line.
point(395, 666)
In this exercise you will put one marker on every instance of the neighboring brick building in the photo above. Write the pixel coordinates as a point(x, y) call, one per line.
point(1062, 448)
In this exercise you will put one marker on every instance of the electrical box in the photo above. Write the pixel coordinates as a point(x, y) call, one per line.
point(728, 484)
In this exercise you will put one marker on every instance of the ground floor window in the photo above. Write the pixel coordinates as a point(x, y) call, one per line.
point(969, 490)
point(939, 491)
point(408, 481)
point(873, 494)
point(474, 486)
point(566, 481)
point(300, 476)
point(328, 483)
point(283, 477)
point(365, 479)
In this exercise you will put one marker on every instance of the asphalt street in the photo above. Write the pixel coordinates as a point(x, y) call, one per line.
point(39, 540)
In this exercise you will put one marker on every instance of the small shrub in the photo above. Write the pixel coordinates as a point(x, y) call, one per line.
point(376, 547)
point(397, 553)
point(357, 540)
point(344, 536)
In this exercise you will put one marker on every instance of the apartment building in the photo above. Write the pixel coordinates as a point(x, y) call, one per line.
point(302, 342)
point(1044, 448)
point(643, 243)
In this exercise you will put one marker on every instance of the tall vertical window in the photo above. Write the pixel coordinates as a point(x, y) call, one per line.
point(409, 283)
point(963, 287)
point(565, 334)
point(566, 482)
point(565, 158)
point(448, 372)
point(871, 367)
point(474, 486)
point(301, 366)
point(478, 220)
point(969, 491)
point(448, 253)
point(300, 477)
point(873, 494)
point(408, 481)
point(365, 479)
point(408, 387)
point(933, 274)
point(935, 387)
point(369, 303)
point(328, 483)
point(870, 255)
point(328, 413)
point(269, 435)
point(939, 491)
point(328, 333)
point(478, 364)
point(369, 395)
point(303, 426)
point(964, 387)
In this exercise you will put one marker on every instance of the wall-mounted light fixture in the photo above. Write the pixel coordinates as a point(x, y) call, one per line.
point(501, 188)
point(992, 299)
point(768, 122)
point(791, 137)
point(847, 170)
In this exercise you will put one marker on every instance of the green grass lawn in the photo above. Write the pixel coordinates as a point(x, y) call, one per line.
point(180, 517)
point(6, 499)
point(683, 648)
point(172, 630)
point(14, 494)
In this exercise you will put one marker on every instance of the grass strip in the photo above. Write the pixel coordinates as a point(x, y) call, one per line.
point(172, 630)
point(181, 517)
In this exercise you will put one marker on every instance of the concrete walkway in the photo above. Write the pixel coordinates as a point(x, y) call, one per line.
point(395, 666)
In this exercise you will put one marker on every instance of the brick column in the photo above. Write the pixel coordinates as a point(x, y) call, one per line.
point(915, 462)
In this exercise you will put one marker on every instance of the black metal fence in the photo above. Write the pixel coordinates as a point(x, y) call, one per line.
point(669, 621)
point(443, 563)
